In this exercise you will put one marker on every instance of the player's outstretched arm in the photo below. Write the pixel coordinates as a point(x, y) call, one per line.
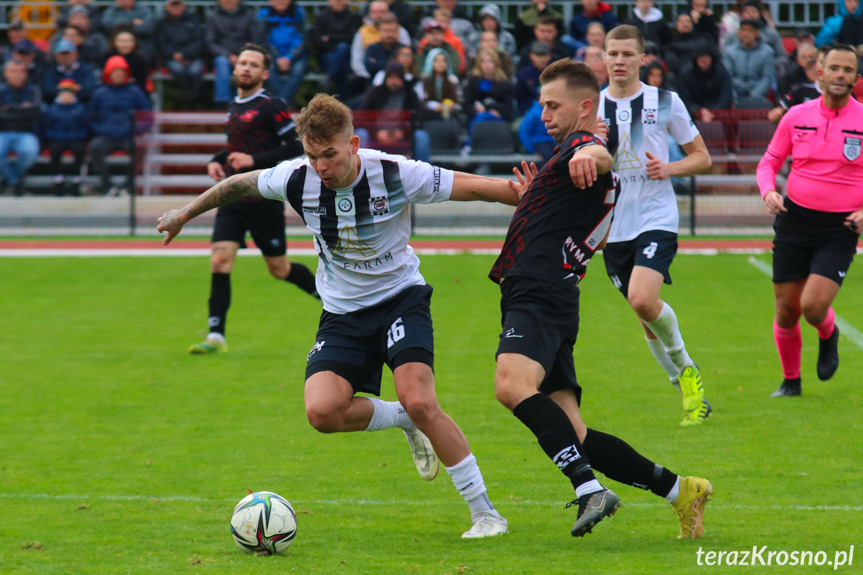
point(225, 192)
point(470, 188)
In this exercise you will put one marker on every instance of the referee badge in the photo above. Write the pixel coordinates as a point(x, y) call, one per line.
point(851, 150)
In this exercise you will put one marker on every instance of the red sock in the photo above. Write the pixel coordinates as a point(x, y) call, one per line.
point(825, 328)
point(789, 343)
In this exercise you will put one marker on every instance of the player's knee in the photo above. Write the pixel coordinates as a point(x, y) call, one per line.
point(645, 307)
point(505, 391)
point(787, 311)
point(278, 270)
point(814, 311)
point(419, 410)
point(220, 264)
point(323, 419)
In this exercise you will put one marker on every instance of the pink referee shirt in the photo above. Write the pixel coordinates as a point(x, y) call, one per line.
point(826, 148)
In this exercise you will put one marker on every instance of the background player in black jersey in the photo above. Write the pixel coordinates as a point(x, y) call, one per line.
point(260, 135)
point(561, 220)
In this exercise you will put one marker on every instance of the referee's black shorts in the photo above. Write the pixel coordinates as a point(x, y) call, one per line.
point(539, 318)
point(265, 220)
point(811, 242)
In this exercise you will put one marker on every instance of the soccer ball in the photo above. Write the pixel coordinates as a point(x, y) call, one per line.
point(264, 522)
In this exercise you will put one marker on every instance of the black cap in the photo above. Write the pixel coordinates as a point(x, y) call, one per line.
point(395, 69)
point(540, 48)
point(749, 22)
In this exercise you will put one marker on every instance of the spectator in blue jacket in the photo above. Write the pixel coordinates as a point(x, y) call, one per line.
point(380, 53)
point(67, 66)
point(591, 11)
point(833, 25)
point(20, 109)
point(285, 28)
point(532, 134)
point(180, 46)
point(109, 113)
point(65, 128)
point(527, 77)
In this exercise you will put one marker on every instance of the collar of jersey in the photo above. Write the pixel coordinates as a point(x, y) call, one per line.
point(239, 100)
point(634, 96)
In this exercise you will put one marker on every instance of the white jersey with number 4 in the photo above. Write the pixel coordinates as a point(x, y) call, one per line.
point(361, 231)
point(637, 125)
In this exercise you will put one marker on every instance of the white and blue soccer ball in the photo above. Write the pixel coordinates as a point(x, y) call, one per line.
point(264, 522)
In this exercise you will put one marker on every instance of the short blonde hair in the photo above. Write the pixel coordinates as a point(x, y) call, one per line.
point(324, 119)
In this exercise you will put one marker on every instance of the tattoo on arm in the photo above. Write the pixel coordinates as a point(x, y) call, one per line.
point(225, 192)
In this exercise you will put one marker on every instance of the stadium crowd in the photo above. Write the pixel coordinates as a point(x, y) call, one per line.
point(72, 80)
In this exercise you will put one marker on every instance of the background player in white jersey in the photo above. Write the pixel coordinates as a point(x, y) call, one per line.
point(643, 238)
point(376, 303)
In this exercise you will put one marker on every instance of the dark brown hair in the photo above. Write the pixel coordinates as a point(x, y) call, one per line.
point(249, 47)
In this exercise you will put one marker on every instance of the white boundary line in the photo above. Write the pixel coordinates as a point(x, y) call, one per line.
point(845, 328)
point(374, 502)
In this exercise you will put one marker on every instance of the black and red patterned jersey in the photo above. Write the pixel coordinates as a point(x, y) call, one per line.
point(258, 125)
point(558, 227)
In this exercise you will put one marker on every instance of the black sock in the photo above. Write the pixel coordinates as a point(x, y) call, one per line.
point(617, 459)
point(303, 278)
point(220, 301)
point(556, 436)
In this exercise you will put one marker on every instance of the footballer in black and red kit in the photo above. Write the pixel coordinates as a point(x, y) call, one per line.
point(261, 134)
point(554, 233)
point(563, 217)
point(257, 125)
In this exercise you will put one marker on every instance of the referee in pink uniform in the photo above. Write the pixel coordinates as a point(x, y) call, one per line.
point(818, 222)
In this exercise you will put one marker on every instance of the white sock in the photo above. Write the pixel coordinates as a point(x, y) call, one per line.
point(216, 335)
point(591, 486)
point(658, 351)
point(388, 414)
point(467, 479)
point(665, 328)
point(675, 491)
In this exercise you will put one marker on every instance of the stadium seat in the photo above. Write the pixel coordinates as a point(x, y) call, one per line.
point(444, 136)
point(754, 104)
point(492, 138)
point(715, 137)
point(754, 135)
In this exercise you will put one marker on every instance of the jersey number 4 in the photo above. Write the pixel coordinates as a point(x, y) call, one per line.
point(650, 250)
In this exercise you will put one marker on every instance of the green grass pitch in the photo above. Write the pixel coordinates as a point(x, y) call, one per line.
point(120, 453)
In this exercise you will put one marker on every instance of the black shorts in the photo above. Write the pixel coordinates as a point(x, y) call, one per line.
point(653, 249)
point(265, 220)
point(539, 318)
point(811, 242)
point(356, 345)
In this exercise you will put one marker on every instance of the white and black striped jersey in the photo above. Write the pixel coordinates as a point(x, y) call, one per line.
point(637, 125)
point(362, 231)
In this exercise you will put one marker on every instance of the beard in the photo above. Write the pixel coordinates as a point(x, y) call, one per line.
point(245, 84)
